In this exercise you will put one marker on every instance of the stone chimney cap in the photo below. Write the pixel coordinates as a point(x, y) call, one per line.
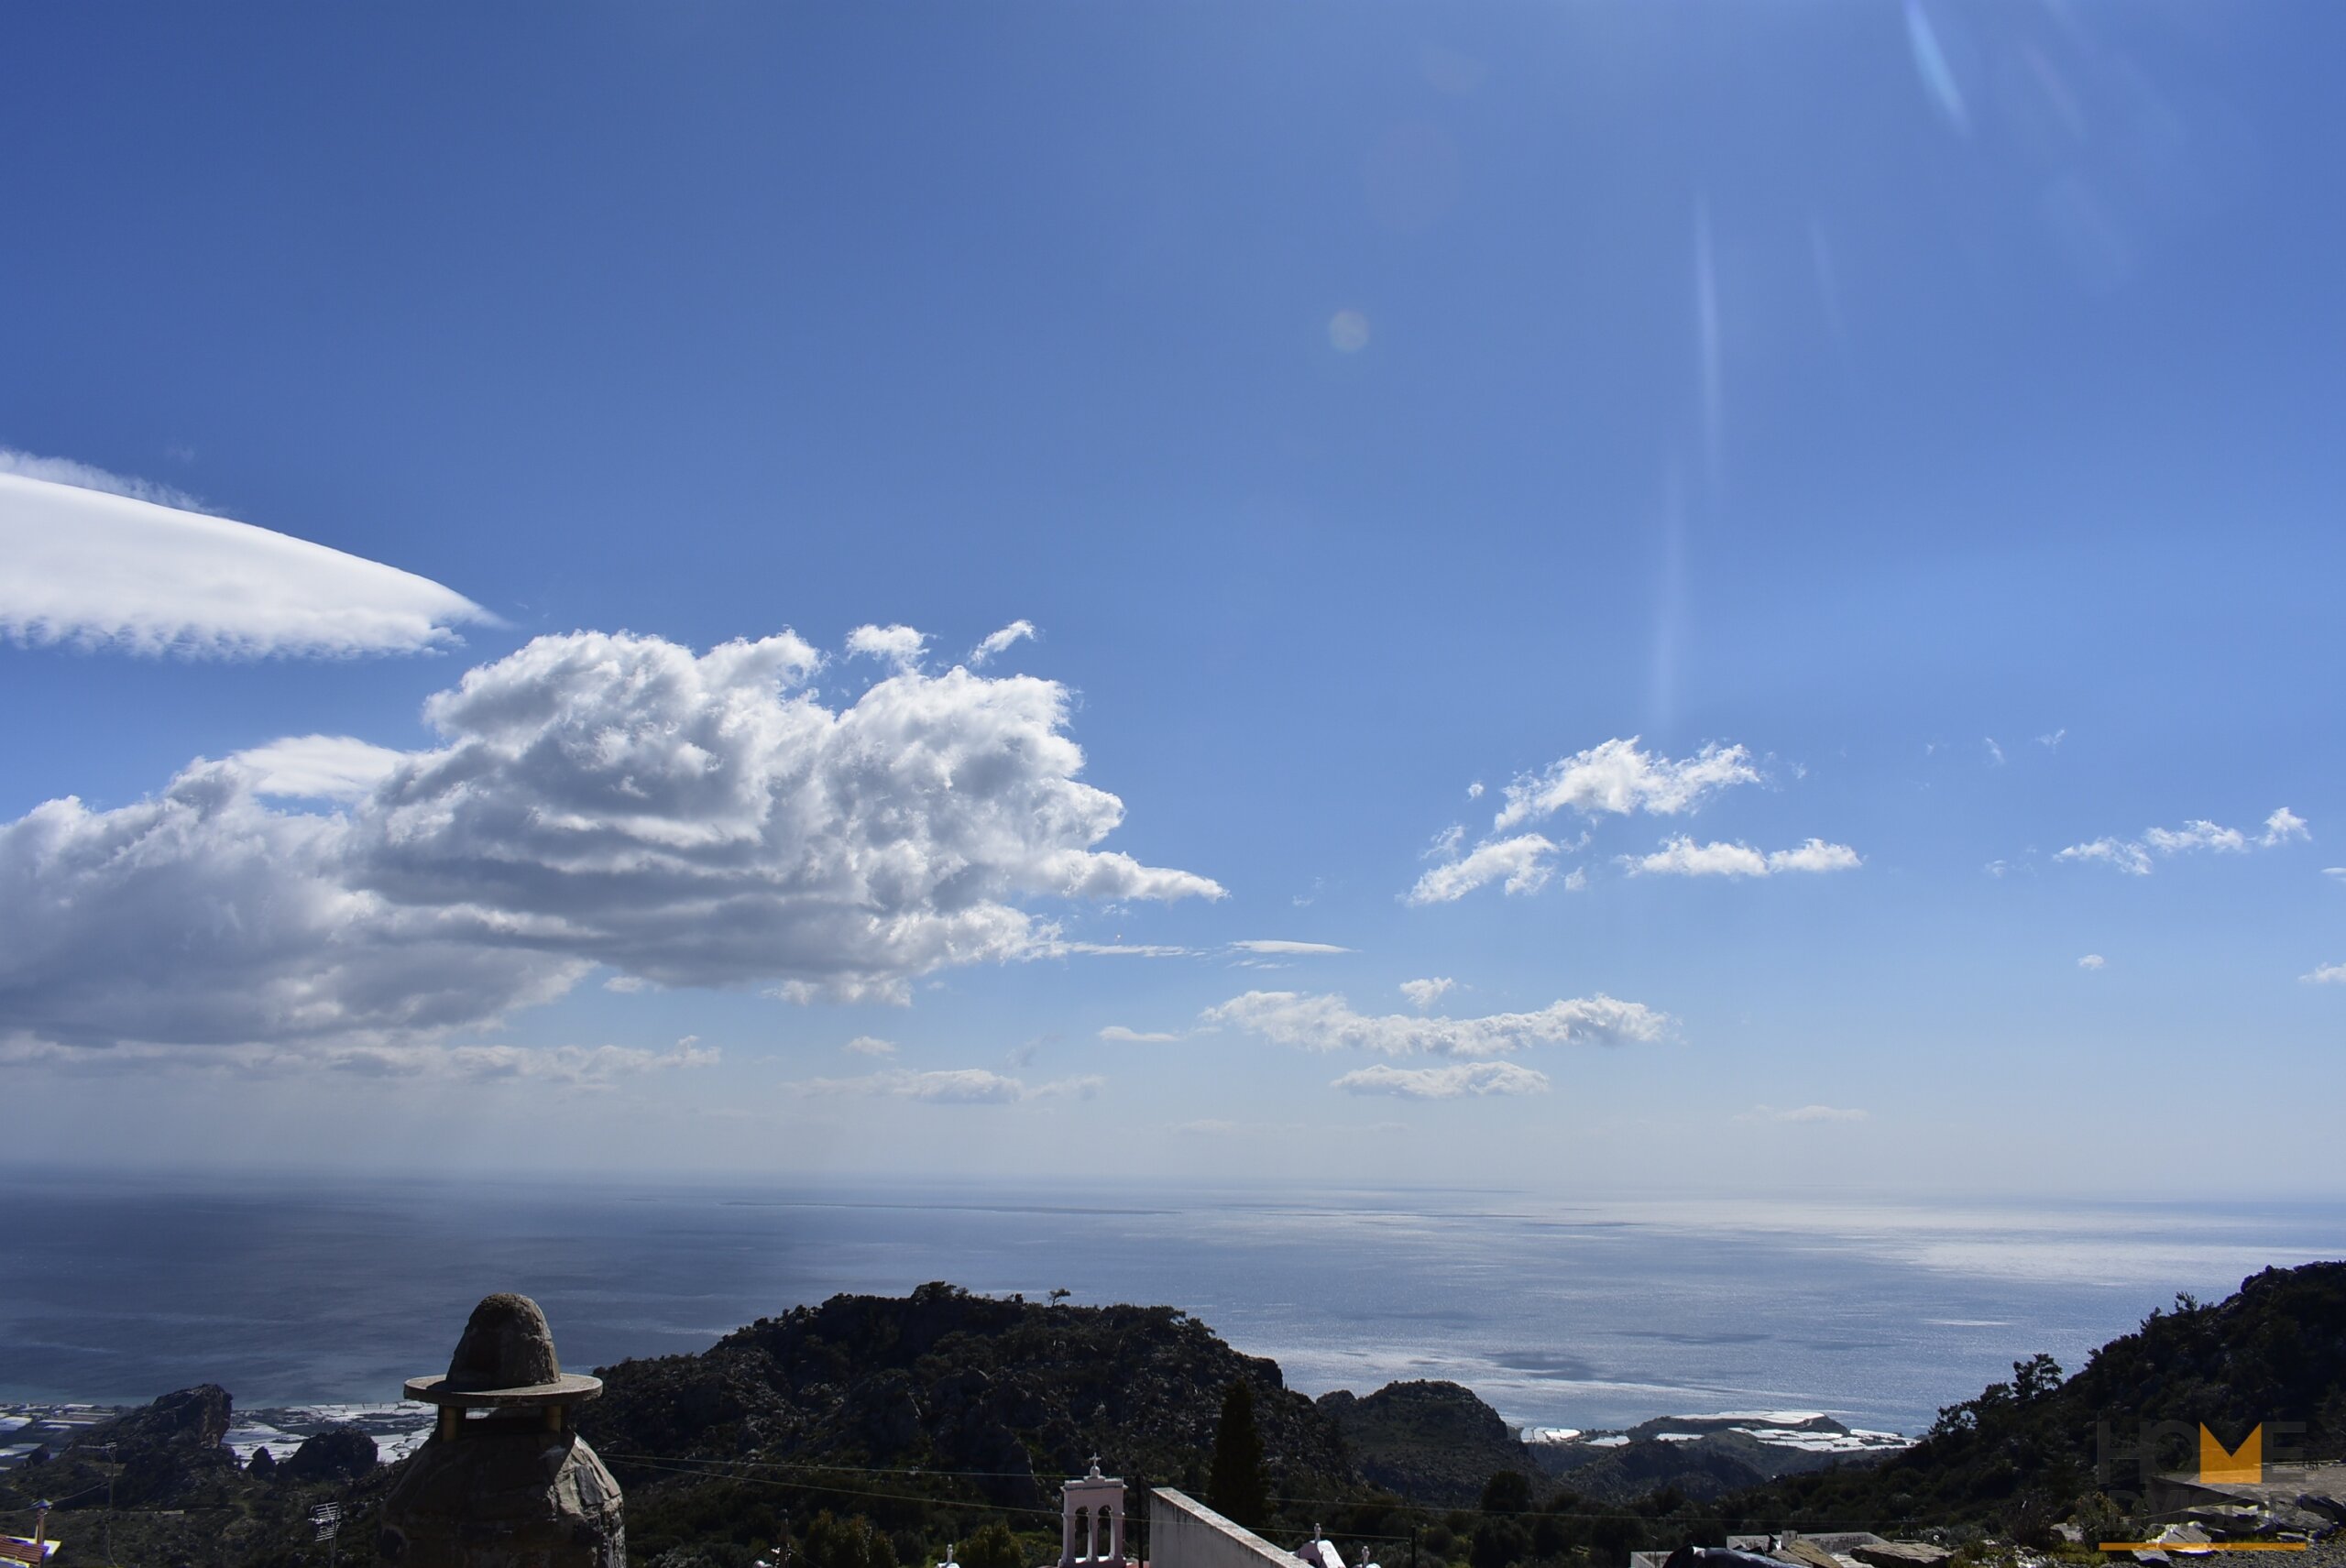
point(506, 1357)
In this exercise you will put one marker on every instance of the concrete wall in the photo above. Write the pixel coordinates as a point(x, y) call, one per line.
point(1185, 1533)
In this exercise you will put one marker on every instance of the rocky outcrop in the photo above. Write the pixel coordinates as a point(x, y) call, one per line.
point(193, 1418)
point(1010, 1394)
point(1901, 1554)
point(169, 1451)
point(337, 1454)
point(1433, 1441)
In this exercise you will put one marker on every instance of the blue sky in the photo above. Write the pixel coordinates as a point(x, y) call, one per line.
point(1914, 426)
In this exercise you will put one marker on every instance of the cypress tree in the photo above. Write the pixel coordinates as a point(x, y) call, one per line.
point(1236, 1488)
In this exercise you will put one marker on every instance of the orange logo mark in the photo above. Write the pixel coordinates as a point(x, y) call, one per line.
point(2218, 1463)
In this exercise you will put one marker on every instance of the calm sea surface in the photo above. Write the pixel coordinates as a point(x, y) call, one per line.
point(1560, 1313)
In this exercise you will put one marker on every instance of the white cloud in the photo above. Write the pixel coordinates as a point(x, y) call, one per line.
point(2337, 872)
point(1576, 879)
point(1684, 857)
point(319, 767)
point(1523, 862)
point(614, 800)
point(1444, 1082)
point(1995, 752)
point(953, 1086)
point(870, 1046)
point(1801, 1114)
point(2328, 974)
point(1275, 948)
point(2130, 857)
point(1618, 777)
point(89, 476)
point(2196, 835)
point(1117, 1032)
point(2282, 826)
point(898, 645)
point(998, 643)
point(1327, 1023)
point(2092, 961)
point(426, 1062)
point(2134, 856)
point(1815, 855)
point(98, 569)
point(2053, 742)
point(1053, 948)
point(1475, 790)
point(1424, 993)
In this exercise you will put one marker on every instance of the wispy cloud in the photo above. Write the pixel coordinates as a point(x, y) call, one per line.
point(1619, 778)
point(954, 1086)
point(1056, 949)
point(1523, 863)
point(2052, 742)
point(1802, 1113)
point(1424, 993)
point(89, 476)
point(1275, 948)
point(1482, 1078)
point(112, 569)
point(1328, 1022)
point(999, 642)
point(1118, 1033)
point(2135, 856)
point(2328, 974)
point(583, 1068)
point(2092, 961)
point(1995, 752)
point(898, 645)
point(1684, 857)
point(1930, 65)
point(870, 1046)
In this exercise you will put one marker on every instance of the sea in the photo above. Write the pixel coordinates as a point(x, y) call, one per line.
point(1562, 1312)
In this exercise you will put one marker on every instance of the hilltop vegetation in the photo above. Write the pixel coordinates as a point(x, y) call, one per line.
point(871, 1431)
point(2022, 1456)
point(993, 1401)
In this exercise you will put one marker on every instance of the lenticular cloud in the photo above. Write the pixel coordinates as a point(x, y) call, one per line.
point(105, 569)
point(598, 799)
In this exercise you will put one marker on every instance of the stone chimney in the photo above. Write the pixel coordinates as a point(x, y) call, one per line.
point(504, 1480)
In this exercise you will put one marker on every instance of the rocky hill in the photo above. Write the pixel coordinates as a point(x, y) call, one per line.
point(994, 1401)
point(158, 1485)
point(870, 1431)
point(2022, 1454)
point(1429, 1442)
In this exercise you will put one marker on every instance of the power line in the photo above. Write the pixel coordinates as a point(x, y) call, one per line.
point(730, 1469)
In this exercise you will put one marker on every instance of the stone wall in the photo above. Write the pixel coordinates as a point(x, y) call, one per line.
point(1185, 1533)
